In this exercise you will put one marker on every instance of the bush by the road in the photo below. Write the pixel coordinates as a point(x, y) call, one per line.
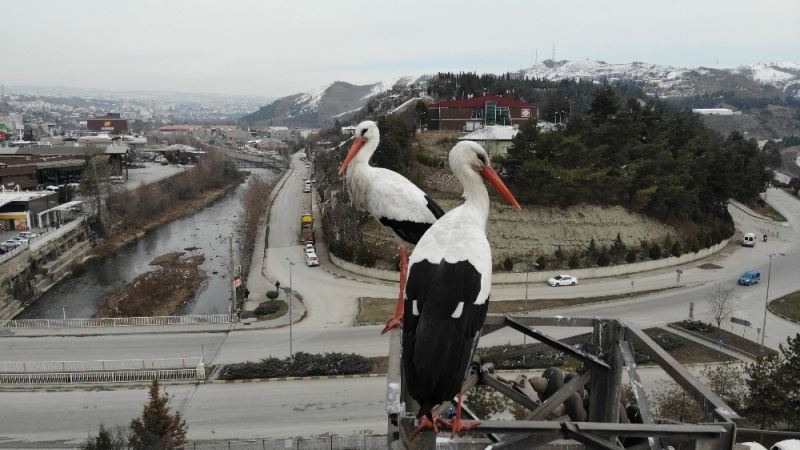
point(696, 326)
point(303, 365)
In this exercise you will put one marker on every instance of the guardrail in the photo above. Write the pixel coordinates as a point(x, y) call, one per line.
point(28, 367)
point(129, 376)
point(122, 321)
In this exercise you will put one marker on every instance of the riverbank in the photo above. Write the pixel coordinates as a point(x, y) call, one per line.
point(120, 238)
point(161, 292)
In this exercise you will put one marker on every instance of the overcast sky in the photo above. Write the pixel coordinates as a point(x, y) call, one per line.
point(273, 48)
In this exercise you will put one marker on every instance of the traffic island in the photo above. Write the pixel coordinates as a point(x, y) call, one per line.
point(787, 307)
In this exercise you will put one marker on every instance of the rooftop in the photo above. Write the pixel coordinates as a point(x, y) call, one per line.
point(479, 102)
point(492, 133)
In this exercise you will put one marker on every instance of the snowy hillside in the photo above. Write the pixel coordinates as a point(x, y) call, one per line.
point(670, 81)
point(324, 105)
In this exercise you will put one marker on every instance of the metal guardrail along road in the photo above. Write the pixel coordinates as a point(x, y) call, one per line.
point(122, 321)
point(126, 376)
point(26, 367)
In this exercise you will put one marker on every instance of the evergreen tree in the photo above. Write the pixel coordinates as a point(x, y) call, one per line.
point(789, 376)
point(618, 249)
point(765, 397)
point(107, 440)
point(158, 429)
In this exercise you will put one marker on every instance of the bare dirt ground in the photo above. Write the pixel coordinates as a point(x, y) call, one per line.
point(527, 234)
point(160, 292)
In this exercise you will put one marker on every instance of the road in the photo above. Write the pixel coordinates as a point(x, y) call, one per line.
point(215, 411)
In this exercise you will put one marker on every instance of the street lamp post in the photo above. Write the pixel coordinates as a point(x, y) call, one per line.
point(291, 354)
point(766, 299)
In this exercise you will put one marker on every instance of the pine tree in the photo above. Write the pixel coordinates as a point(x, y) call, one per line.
point(106, 440)
point(765, 399)
point(789, 376)
point(158, 429)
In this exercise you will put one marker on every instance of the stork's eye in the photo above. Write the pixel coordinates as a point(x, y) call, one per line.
point(364, 132)
point(482, 157)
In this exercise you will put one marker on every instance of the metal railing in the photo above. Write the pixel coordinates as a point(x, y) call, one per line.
point(28, 367)
point(353, 442)
point(122, 321)
point(117, 376)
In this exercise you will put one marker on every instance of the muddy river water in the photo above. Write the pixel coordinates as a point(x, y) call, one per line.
point(207, 229)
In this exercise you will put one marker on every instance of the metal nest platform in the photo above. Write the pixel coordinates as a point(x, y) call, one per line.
point(599, 380)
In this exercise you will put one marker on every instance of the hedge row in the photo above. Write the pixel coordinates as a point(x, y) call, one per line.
point(303, 365)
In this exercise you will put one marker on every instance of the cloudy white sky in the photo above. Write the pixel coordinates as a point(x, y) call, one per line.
point(274, 48)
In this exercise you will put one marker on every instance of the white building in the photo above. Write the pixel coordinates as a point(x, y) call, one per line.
point(715, 111)
point(496, 139)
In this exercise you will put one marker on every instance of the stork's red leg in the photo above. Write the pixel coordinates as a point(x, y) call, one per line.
point(457, 425)
point(425, 423)
point(397, 319)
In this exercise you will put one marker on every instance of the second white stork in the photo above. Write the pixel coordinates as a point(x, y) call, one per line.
point(393, 200)
point(447, 293)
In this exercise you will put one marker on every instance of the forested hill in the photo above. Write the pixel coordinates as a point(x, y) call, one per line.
point(648, 157)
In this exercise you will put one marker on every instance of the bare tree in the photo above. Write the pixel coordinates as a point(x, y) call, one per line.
point(722, 302)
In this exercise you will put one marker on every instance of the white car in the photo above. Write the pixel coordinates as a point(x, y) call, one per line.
point(28, 234)
point(310, 248)
point(20, 239)
point(311, 259)
point(11, 244)
point(562, 280)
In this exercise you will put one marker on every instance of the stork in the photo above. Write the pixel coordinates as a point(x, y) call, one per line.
point(393, 200)
point(447, 292)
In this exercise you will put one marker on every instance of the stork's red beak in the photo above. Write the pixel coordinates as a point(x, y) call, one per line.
point(494, 179)
point(357, 144)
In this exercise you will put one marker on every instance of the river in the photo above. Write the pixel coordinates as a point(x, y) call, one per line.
point(207, 229)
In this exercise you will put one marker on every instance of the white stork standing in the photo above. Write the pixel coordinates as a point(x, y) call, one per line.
point(396, 202)
point(447, 293)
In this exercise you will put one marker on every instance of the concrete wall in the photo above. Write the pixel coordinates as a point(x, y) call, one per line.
point(45, 262)
point(515, 278)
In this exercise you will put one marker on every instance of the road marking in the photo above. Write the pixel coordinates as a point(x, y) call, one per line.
point(308, 378)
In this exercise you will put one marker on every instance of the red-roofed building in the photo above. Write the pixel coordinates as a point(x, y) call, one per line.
point(473, 113)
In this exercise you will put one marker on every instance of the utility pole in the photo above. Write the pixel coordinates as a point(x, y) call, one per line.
point(232, 275)
point(291, 353)
point(766, 299)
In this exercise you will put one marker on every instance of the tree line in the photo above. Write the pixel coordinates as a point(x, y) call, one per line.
point(648, 157)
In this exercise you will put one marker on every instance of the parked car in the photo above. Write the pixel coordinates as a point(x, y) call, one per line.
point(20, 239)
point(749, 240)
point(311, 259)
point(307, 189)
point(310, 247)
point(28, 234)
point(749, 278)
point(562, 280)
point(11, 244)
point(788, 444)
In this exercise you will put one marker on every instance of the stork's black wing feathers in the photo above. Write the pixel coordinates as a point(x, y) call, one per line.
point(406, 230)
point(437, 348)
point(434, 208)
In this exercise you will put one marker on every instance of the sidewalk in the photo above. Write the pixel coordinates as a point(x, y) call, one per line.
point(726, 349)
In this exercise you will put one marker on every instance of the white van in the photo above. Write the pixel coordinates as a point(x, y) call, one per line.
point(749, 240)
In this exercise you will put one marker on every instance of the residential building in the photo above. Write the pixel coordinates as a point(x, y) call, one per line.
point(496, 139)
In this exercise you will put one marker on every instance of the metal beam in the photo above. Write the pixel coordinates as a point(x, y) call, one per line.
point(696, 389)
point(559, 397)
point(571, 430)
point(672, 431)
point(638, 386)
point(555, 321)
point(491, 380)
point(556, 344)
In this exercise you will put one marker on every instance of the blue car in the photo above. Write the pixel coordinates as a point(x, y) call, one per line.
point(750, 277)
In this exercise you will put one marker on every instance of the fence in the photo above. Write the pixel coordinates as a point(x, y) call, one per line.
point(129, 376)
point(354, 442)
point(28, 367)
point(122, 321)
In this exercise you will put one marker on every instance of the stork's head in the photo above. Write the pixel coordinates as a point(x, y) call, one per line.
point(366, 134)
point(470, 156)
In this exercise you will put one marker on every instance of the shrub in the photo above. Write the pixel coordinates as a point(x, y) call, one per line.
point(655, 251)
point(541, 263)
point(267, 308)
point(603, 259)
point(303, 364)
point(630, 257)
point(677, 248)
point(696, 325)
point(573, 262)
point(508, 264)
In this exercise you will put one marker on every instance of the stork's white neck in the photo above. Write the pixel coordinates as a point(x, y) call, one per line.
point(357, 174)
point(365, 153)
point(475, 195)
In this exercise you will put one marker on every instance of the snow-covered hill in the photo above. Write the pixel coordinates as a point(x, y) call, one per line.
point(324, 105)
point(670, 81)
